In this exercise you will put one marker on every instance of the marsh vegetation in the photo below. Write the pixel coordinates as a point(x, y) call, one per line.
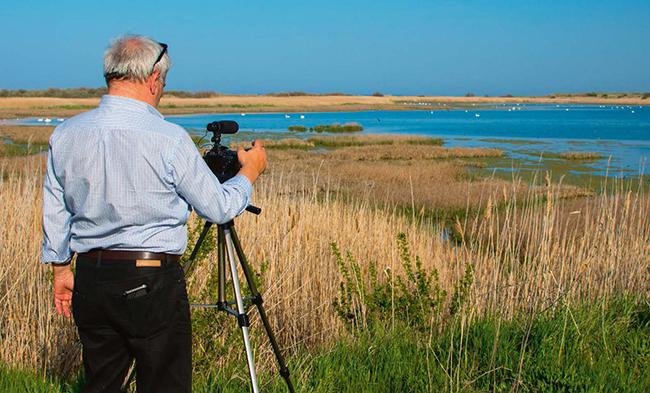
point(386, 266)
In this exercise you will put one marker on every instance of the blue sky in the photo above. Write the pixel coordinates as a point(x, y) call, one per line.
point(398, 47)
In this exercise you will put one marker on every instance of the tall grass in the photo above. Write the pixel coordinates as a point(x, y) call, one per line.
point(31, 335)
point(542, 251)
point(530, 253)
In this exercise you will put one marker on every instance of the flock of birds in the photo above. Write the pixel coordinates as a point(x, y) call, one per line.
point(286, 116)
point(516, 107)
point(48, 120)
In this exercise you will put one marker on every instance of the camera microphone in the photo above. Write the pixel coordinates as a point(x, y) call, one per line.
point(223, 127)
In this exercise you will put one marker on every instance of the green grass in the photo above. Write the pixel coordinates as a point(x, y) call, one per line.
point(337, 128)
point(19, 149)
point(585, 348)
point(22, 381)
point(592, 347)
point(426, 141)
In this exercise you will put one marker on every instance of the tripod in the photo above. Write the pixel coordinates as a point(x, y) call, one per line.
point(229, 250)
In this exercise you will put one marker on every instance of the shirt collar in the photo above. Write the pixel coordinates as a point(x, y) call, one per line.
point(111, 101)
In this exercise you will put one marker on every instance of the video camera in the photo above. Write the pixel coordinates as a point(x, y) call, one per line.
point(222, 161)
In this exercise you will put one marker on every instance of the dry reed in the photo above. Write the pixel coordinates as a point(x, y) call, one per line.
point(414, 152)
point(530, 252)
point(27, 134)
point(372, 139)
point(286, 143)
point(585, 155)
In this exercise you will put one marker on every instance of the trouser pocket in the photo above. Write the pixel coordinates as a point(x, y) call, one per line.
point(145, 305)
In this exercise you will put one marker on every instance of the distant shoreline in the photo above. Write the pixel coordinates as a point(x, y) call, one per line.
point(20, 107)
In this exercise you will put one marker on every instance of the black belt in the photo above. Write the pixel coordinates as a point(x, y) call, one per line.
point(117, 255)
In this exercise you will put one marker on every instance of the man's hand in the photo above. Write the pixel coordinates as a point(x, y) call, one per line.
point(63, 285)
point(253, 162)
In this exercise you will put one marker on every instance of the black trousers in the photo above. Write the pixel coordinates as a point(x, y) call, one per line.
point(124, 312)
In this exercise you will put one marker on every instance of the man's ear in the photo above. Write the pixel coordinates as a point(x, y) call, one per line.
point(151, 82)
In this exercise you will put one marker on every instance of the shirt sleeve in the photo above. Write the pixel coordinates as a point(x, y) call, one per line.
point(195, 182)
point(56, 218)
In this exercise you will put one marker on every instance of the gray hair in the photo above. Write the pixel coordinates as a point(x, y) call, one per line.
point(132, 57)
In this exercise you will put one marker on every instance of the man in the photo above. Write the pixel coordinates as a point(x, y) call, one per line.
point(118, 190)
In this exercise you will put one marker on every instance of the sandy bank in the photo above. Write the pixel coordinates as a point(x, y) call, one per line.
point(11, 107)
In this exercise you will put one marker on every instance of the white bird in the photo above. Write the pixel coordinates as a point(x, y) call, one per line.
point(40, 120)
point(61, 119)
point(243, 114)
point(632, 111)
point(477, 115)
point(48, 120)
point(302, 116)
point(286, 116)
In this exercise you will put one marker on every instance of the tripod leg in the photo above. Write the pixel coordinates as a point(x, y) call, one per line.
point(242, 318)
point(221, 267)
point(258, 301)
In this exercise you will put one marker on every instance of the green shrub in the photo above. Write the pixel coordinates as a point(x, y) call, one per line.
point(298, 128)
point(79, 92)
point(289, 94)
point(414, 299)
point(89, 92)
point(337, 128)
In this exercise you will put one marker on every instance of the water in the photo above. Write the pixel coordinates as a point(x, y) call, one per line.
point(621, 134)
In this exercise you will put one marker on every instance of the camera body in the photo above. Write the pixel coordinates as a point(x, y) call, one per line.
point(222, 161)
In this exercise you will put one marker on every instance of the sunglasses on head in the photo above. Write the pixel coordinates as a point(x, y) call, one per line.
point(160, 56)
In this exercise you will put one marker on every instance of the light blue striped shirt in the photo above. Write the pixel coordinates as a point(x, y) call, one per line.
point(120, 177)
